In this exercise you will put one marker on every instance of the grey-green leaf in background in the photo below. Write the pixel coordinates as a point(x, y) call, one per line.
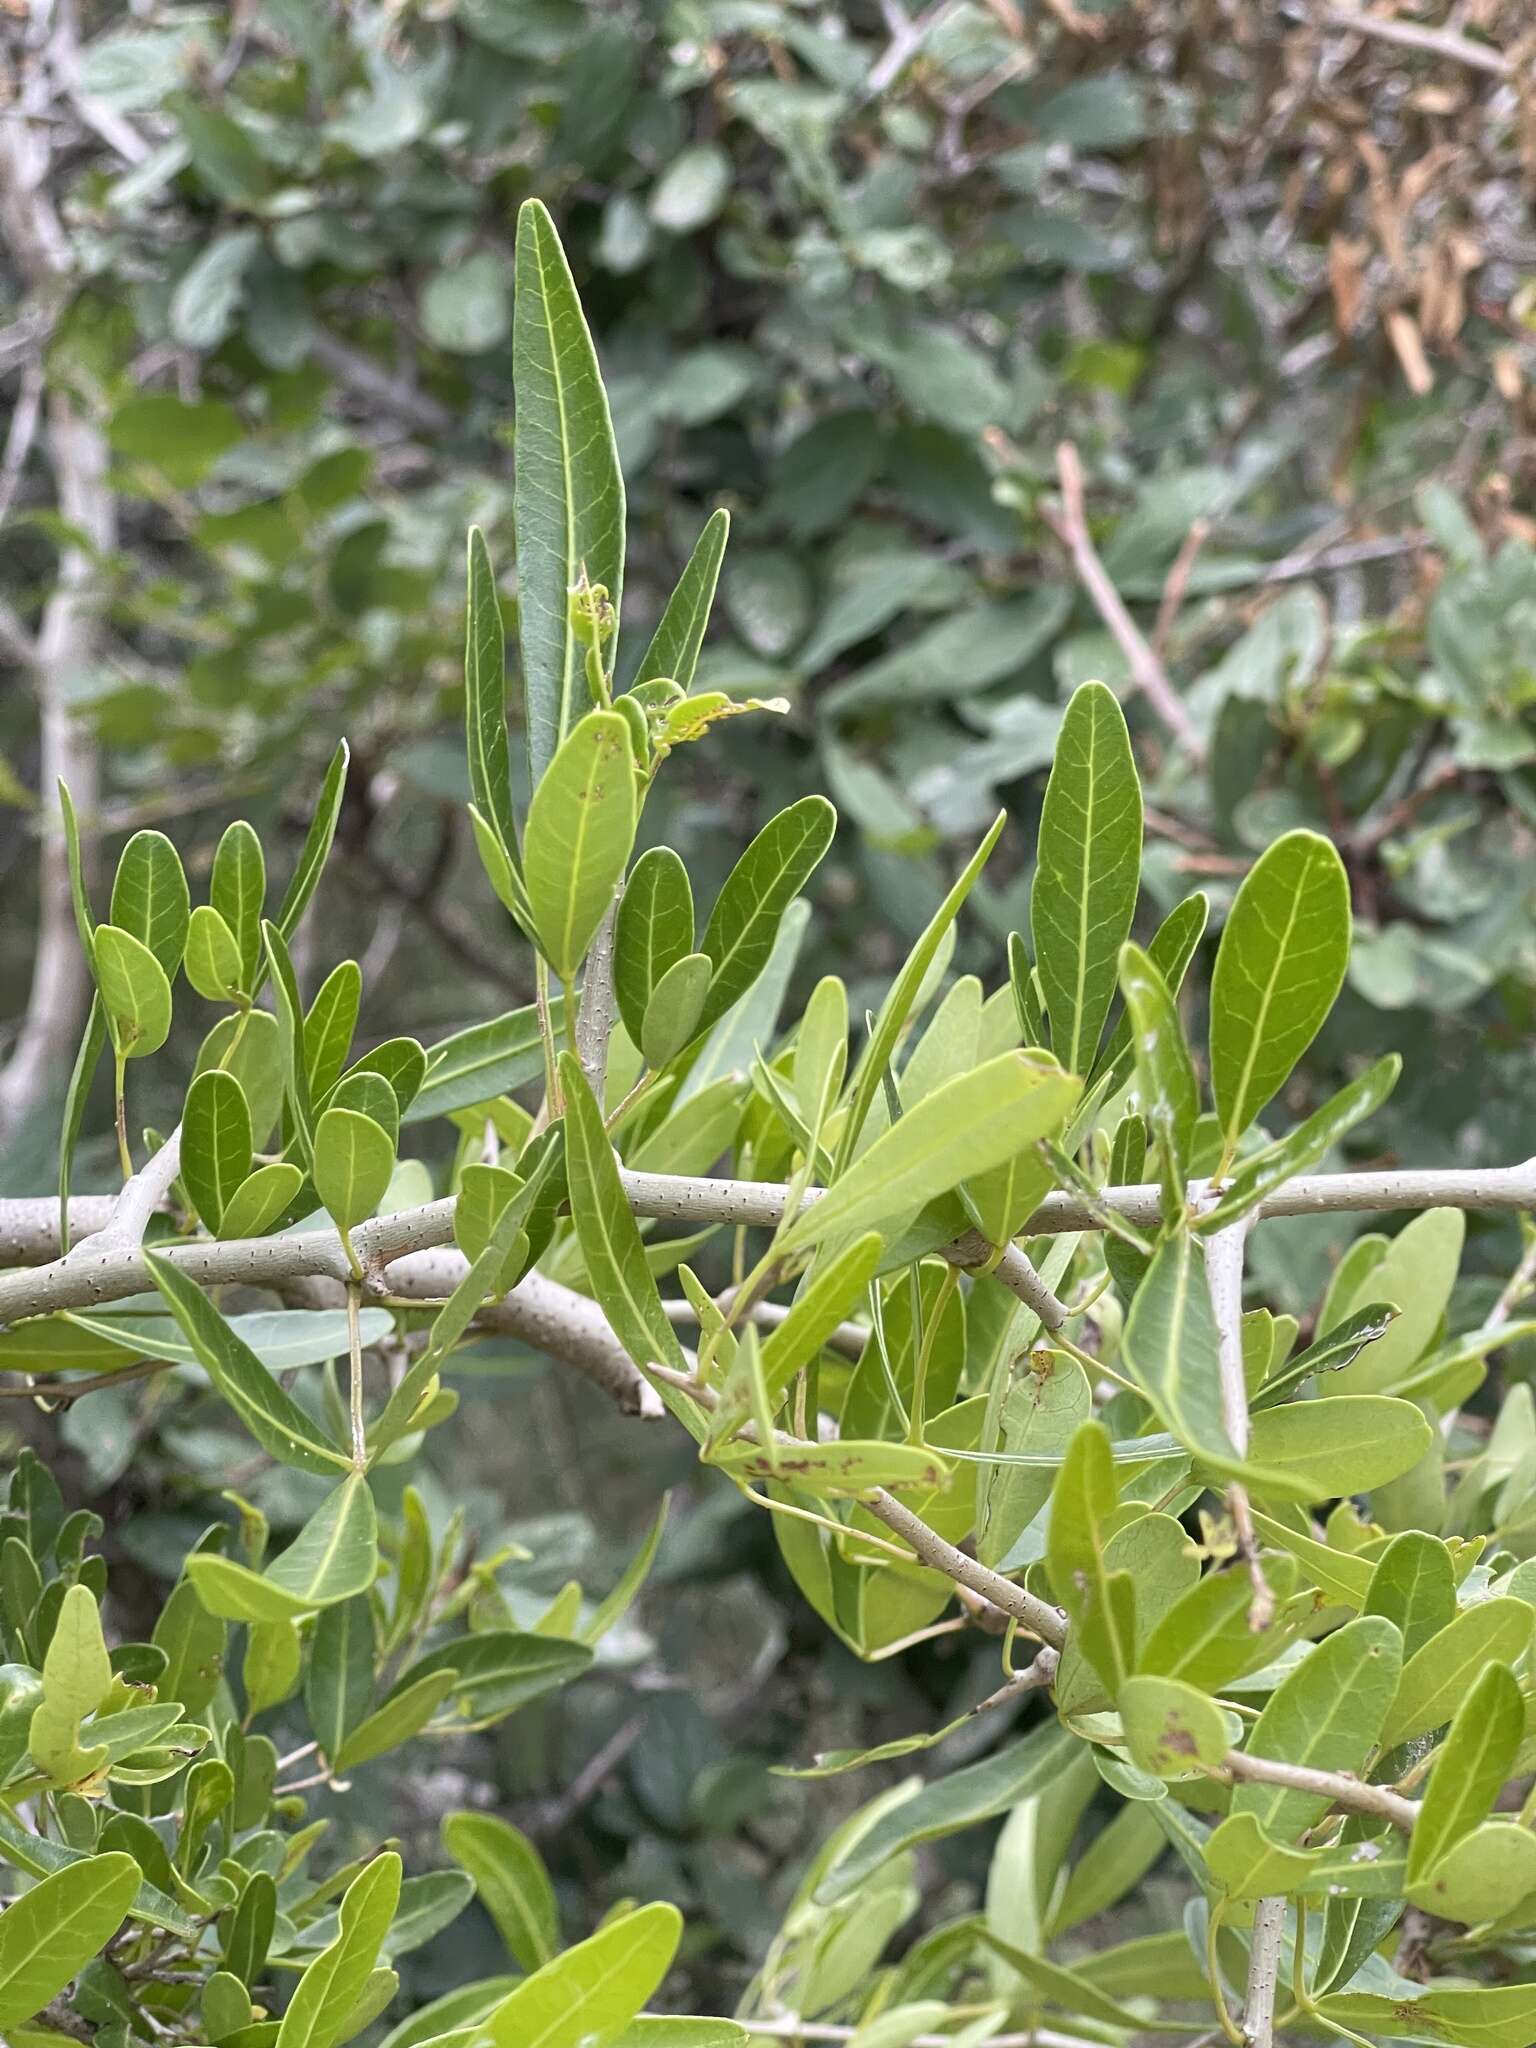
point(568, 502)
point(1088, 873)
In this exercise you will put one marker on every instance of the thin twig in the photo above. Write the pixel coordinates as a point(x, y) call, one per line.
point(1435, 42)
point(1263, 1972)
point(1070, 525)
point(1177, 584)
point(1224, 1283)
point(1350, 1794)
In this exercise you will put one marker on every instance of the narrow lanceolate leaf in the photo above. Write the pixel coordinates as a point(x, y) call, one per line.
point(674, 648)
point(1089, 872)
point(757, 892)
point(654, 931)
point(485, 695)
point(290, 1025)
point(1440, 1675)
point(271, 1415)
point(215, 1143)
point(846, 1467)
point(149, 897)
point(212, 959)
point(134, 992)
point(897, 1007)
point(237, 890)
point(593, 1990)
point(353, 1163)
point(1300, 1150)
point(1165, 1074)
point(568, 498)
point(1342, 1345)
point(835, 1287)
point(970, 1125)
point(1171, 949)
point(330, 1988)
point(51, 1932)
point(1327, 1715)
point(1278, 969)
point(334, 1557)
point(1474, 1761)
point(610, 1241)
point(581, 827)
point(511, 1881)
point(317, 845)
point(1171, 1347)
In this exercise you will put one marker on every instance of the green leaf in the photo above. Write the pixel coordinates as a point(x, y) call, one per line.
point(605, 1229)
point(134, 992)
point(1416, 1274)
point(1414, 1586)
point(1279, 967)
point(897, 1007)
point(496, 1672)
point(237, 891)
point(1343, 1343)
point(215, 1144)
point(1171, 949)
point(1326, 1714)
point(584, 1997)
point(654, 931)
point(52, 1931)
point(1044, 1407)
point(401, 1717)
point(568, 500)
point(290, 1025)
point(334, 1556)
point(271, 1415)
point(1073, 1989)
point(1316, 1450)
point(1088, 872)
point(149, 898)
point(317, 846)
point(1099, 1601)
point(757, 892)
point(962, 1799)
point(213, 964)
point(249, 1046)
point(1486, 1875)
point(674, 648)
point(1169, 1097)
point(673, 1014)
point(834, 1286)
point(1439, 1676)
point(485, 696)
point(354, 1160)
point(482, 1062)
point(975, 1122)
point(1300, 1150)
point(328, 1991)
point(1487, 2016)
point(76, 1675)
point(329, 1025)
point(511, 1881)
point(834, 1469)
point(1471, 1766)
point(339, 1679)
point(616, 1604)
point(1170, 1727)
point(1171, 1350)
point(581, 827)
point(260, 1200)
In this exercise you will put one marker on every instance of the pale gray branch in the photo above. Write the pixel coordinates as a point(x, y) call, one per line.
point(1263, 1972)
point(1352, 1795)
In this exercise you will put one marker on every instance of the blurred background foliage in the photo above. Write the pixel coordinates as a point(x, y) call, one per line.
point(856, 272)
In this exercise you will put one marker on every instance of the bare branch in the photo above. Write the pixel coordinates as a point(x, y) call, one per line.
point(1224, 1283)
point(1263, 1972)
point(142, 1194)
point(599, 1005)
point(1351, 1795)
point(1435, 42)
point(1070, 526)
